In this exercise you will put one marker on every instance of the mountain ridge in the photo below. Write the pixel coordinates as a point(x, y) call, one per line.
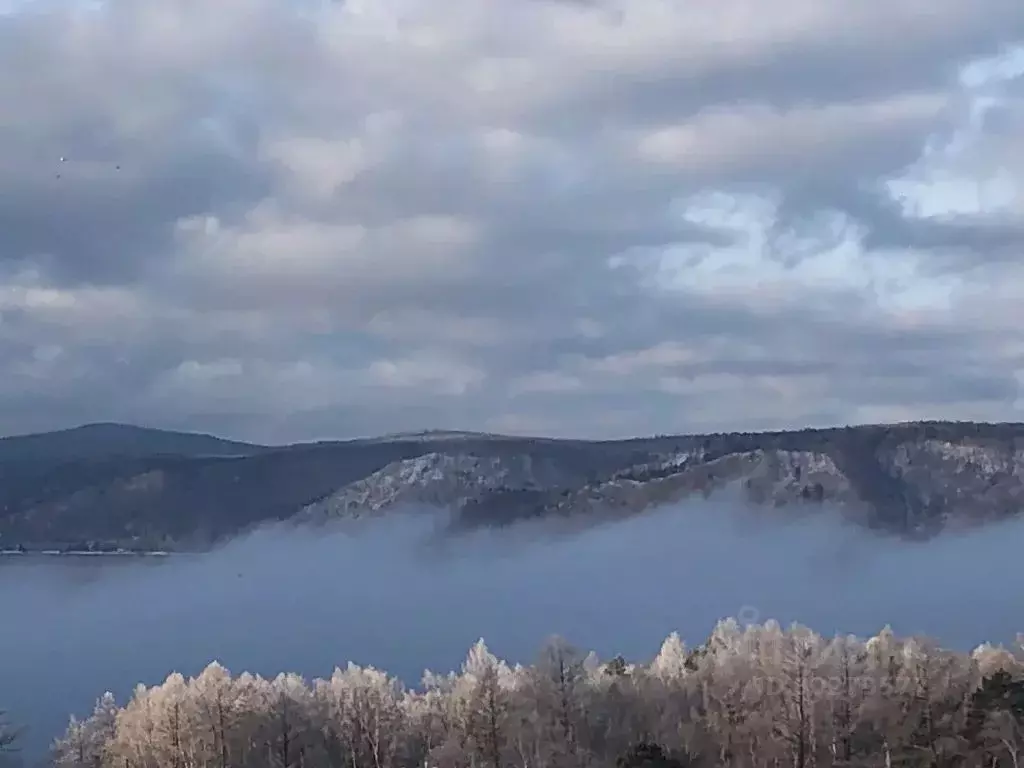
point(150, 489)
point(109, 439)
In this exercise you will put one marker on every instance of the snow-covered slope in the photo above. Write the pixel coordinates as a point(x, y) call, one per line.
point(775, 477)
point(493, 483)
point(435, 479)
point(911, 486)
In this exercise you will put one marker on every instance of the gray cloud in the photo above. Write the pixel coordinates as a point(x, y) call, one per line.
point(561, 217)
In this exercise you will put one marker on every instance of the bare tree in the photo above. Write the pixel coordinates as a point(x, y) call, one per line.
point(214, 697)
point(486, 686)
point(752, 697)
point(8, 734)
point(845, 657)
point(995, 723)
point(559, 681)
point(367, 721)
point(291, 739)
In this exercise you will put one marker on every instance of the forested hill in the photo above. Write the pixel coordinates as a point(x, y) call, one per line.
point(114, 486)
point(105, 440)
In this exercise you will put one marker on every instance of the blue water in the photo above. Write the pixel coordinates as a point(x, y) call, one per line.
point(388, 594)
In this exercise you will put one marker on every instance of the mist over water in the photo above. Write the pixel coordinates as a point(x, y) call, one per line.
point(392, 594)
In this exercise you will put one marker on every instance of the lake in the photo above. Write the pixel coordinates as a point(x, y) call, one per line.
point(391, 594)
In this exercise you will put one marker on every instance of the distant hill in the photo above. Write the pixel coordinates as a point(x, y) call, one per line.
point(107, 486)
point(105, 441)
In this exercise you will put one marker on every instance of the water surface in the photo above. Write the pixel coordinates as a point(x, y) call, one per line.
point(388, 595)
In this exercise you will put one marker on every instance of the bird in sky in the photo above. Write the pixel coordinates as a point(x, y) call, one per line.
point(64, 159)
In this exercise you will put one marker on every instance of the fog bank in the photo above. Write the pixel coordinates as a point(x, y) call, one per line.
point(389, 593)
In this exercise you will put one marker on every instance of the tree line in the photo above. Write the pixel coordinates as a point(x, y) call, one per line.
point(756, 696)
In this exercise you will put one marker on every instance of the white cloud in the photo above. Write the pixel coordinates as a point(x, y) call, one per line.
point(427, 374)
point(737, 137)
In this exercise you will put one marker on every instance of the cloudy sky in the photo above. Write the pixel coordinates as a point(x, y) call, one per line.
point(290, 220)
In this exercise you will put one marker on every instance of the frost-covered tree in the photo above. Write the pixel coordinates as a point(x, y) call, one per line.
point(366, 716)
point(736, 671)
point(8, 734)
point(752, 697)
point(885, 725)
point(616, 694)
point(214, 696)
point(938, 698)
point(800, 674)
point(559, 685)
point(486, 684)
point(177, 727)
point(671, 697)
point(85, 744)
point(995, 722)
point(440, 716)
point(138, 740)
point(291, 737)
point(73, 749)
point(845, 659)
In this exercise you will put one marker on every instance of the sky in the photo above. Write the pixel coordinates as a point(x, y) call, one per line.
point(592, 218)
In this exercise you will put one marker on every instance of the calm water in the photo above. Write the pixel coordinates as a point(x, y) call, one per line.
point(389, 595)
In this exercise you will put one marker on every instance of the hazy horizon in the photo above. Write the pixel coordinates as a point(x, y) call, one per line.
point(454, 431)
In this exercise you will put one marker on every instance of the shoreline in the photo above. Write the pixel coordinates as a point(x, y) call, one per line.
point(80, 553)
